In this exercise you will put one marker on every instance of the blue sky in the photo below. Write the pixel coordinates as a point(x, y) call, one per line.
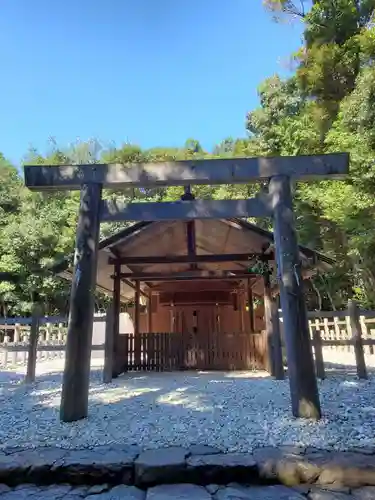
point(151, 72)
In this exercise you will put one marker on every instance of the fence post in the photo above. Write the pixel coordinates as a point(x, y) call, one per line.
point(48, 339)
point(355, 326)
point(108, 345)
point(54, 354)
point(318, 349)
point(41, 337)
point(33, 344)
point(16, 339)
point(60, 340)
point(25, 340)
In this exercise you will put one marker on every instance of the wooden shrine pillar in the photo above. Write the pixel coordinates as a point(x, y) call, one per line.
point(242, 311)
point(75, 386)
point(109, 351)
point(250, 301)
point(271, 316)
point(149, 312)
point(137, 318)
point(268, 322)
point(172, 318)
point(278, 361)
point(301, 370)
point(117, 361)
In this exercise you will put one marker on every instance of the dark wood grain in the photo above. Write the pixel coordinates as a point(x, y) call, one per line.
point(118, 211)
point(301, 370)
point(191, 259)
point(185, 172)
point(75, 389)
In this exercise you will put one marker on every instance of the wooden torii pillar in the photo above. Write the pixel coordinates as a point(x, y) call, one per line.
point(75, 389)
point(90, 179)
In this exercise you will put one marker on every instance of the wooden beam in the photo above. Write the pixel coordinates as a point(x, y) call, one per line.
point(131, 285)
point(301, 370)
point(195, 286)
point(188, 275)
point(176, 173)
point(75, 388)
point(191, 259)
point(117, 210)
point(196, 297)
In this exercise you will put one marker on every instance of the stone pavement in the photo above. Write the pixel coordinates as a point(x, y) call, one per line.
point(126, 472)
point(180, 492)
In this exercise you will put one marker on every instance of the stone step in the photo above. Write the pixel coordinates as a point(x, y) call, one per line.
point(200, 465)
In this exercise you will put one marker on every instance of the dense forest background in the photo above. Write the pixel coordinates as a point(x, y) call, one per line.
point(328, 105)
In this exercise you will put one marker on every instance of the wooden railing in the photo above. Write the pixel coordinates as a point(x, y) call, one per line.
point(340, 337)
point(51, 339)
point(343, 337)
point(336, 330)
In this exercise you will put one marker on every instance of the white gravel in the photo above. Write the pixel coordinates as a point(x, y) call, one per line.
point(233, 411)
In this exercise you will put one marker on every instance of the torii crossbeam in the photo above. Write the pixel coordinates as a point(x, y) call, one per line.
point(279, 171)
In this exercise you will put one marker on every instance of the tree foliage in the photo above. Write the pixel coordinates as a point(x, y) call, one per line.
point(327, 105)
point(335, 79)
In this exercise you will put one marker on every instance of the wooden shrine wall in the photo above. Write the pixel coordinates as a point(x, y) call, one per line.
point(209, 317)
point(195, 326)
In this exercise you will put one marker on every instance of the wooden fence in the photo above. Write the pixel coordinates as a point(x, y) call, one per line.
point(336, 331)
point(15, 333)
point(51, 339)
point(342, 338)
point(337, 336)
point(344, 332)
point(177, 351)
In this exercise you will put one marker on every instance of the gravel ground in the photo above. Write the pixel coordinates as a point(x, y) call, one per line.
point(233, 411)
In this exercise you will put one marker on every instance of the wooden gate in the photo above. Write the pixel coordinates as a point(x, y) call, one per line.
point(151, 351)
point(184, 351)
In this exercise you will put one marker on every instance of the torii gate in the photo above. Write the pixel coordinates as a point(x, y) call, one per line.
point(278, 171)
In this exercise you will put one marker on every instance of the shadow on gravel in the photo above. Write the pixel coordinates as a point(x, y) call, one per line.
point(239, 409)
